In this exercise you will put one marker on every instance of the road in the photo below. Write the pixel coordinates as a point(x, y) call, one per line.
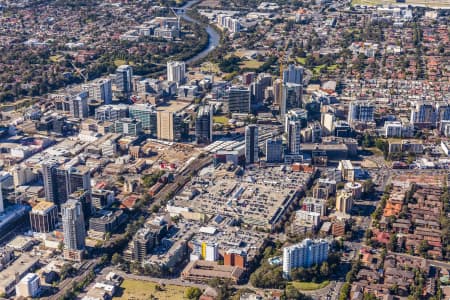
point(165, 281)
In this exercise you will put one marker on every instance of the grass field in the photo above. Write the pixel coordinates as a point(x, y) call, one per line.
point(220, 119)
point(119, 62)
point(427, 3)
point(142, 290)
point(56, 58)
point(309, 286)
point(210, 67)
point(251, 64)
point(301, 60)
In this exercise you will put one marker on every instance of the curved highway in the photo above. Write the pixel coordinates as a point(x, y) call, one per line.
point(213, 35)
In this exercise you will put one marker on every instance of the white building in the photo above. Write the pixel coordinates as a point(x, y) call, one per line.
point(307, 253)
point(176, 71)
point(212, 252)
point(29, 286)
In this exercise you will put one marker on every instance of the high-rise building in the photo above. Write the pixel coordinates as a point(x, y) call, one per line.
point(203, 125)
point(296, 115)
point(145, 113)
point(60, 181)
point(293, 74)
point(176, 71)
point(170, 126)
point(277, 91)
point(422, 114)
point(43, 217)
point(84, 197)
point(79, 105)
point(258, 87)
point(48, 176)
point(237, 99)
point(361, 111)
point(100, 90)
point(101, 198)
point(442, 113)
point(344, 202)
point(73, 225)
point(211, 252)
point(111, 112)
point(128, 126)
point(251, 144)
point(293, 137)
point(305, 254)
point(123, 76)
point(29, 286)
point(291, 97)
point(274, 150)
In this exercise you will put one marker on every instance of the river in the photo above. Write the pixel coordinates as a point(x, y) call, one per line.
point(213, 35)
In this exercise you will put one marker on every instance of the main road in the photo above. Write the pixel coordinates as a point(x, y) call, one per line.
point(213, 35)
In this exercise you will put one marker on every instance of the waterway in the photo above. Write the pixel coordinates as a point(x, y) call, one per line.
point(213, 35)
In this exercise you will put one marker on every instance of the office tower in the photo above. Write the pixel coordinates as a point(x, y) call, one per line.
point(442, 113)
point(171, 126)
point(361, 111)
point(123, 77)
point(258, 87)
point(211, 252)
point(422, 114)
point(101, 90)
point(2, 205)
point(44, 216)
point(112, 112)
point(48, 175)
point(235, 257)
point(342, 129)
point(293, 74)
point(274, 150)
point(392, 129)
point(291, 97)
point(145, 113)
point(251, 144)
point(237, 99)
point(176, 71)
point(312, 204)
point(101, 198)
point(327, 121)
point(84, 198)
point(79, 105)
point(60, 181)
point(29, 286)
point(79, 178)
point(305, 254)
point(73, 225)
point(277, 91)
point(296, 115)
point(203, 125)
point(128, 126)
point(344, 202)
point(293, 137)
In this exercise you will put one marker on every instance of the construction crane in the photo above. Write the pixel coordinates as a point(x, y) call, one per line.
point(79, 72)
point(282, 58)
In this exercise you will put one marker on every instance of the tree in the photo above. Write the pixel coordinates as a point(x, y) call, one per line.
point(192, 293)
point(392, 244)
point(345, 291)
point(292, 293)
point(116, 259)
point(324, 270)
